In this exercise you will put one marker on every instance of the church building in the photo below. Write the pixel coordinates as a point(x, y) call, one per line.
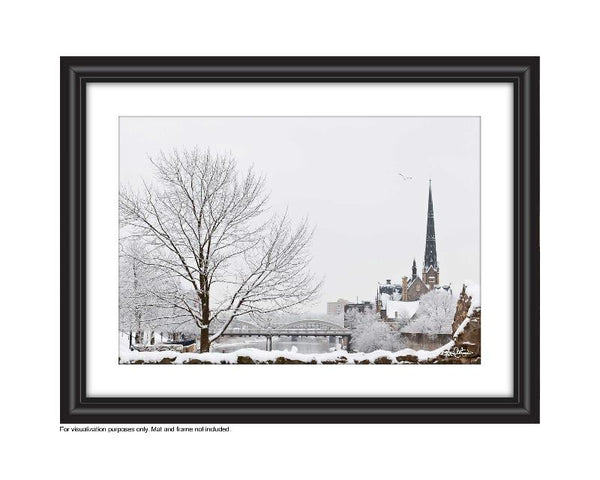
point(400, 301)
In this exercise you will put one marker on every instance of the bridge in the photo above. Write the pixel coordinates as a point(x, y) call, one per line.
point(301, 328)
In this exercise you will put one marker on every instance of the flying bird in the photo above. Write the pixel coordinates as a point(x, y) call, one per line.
point(404, 177)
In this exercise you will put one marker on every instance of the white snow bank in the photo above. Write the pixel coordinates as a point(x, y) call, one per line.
point(264, 356)
point(461, 327)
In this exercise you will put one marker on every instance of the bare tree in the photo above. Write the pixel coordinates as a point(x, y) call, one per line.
point(208, 232)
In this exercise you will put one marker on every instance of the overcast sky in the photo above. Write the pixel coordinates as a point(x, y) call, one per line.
point(342, 172)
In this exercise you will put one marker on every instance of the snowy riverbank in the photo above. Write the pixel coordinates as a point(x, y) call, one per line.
point(256, 356)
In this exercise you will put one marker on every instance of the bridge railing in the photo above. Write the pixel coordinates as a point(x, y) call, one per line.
point(287, 331)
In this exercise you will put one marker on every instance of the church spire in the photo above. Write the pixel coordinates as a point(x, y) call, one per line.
point(430, 247)
point(414, 269)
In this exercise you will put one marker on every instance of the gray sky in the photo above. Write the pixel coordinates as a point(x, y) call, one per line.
point(342, 172)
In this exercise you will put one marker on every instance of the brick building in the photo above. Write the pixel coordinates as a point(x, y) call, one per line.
point(337, 307)
point(412, 288)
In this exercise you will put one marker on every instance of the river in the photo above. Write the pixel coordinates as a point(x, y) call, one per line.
point(302, 345)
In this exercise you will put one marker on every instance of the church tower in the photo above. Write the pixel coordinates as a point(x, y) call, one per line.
point(431, 271)
point(414, 269)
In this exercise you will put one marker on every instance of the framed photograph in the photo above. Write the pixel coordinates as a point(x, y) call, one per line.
point(300, 240)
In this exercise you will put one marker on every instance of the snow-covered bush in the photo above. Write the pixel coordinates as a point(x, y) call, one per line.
point(435, 313)
point(370, 332)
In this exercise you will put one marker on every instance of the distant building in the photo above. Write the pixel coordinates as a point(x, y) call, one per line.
point(399, 301)
point(431, 270)
point(390, 295)
point(337, 307)
point(361, 307)
point(400, 311)
point(447, 288)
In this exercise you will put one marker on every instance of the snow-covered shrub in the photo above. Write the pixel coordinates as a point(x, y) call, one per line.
point(435, 313)
point(370, 332)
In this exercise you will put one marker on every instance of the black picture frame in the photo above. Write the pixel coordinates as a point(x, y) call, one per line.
point(77, 407)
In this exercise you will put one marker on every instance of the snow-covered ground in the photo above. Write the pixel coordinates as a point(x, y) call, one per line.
point(261, 356)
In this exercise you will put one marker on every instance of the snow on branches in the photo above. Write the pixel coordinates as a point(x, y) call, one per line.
point(370, 332)
point(434, 315)
point(208, 235)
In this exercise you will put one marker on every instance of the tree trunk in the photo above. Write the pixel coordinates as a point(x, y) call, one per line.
point(204, 342)
point(204, 336)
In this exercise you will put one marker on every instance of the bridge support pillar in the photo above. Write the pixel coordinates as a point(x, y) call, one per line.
point(294, 338)
point(269, 344)
point(345, 342)
point(331, 339)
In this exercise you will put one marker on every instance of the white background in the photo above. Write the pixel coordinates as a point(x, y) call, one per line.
point(33, 36)
point(491, 102)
